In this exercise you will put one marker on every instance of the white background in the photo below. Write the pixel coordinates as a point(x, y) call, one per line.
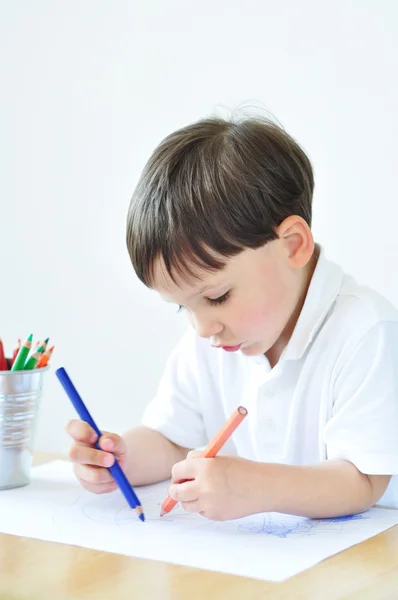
point(88, 89)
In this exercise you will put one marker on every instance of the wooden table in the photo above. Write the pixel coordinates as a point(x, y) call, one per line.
point(33, 569)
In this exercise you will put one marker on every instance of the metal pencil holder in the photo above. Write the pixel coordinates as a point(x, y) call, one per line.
point(19, 401)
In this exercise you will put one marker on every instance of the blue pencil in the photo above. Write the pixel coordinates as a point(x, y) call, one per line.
point(115, 469)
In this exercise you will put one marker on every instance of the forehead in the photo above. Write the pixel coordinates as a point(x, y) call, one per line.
point(245, 267)
point(193, 280)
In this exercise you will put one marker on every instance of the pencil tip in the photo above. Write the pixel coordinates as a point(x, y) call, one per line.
point(162, 513)
point(140, 513)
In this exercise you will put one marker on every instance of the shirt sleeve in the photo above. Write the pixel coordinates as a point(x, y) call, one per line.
point(176, 411)
point(363, 428)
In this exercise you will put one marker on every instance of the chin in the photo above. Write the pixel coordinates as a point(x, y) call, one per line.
point(253, 350)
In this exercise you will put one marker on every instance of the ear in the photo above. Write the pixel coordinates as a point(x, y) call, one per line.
point(297, 239)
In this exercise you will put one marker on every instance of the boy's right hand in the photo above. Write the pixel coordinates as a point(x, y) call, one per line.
point(89, 463)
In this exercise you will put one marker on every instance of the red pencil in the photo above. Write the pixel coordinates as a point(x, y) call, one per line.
point(3, 362)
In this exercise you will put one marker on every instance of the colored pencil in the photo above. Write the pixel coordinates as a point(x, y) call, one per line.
point(20, 360)
point(3, 361)
point(44, 344)
point(41, 345)
point(34, 359)
point(16, 350)
point(213, 448)
point(45, 358)
point(115, 469)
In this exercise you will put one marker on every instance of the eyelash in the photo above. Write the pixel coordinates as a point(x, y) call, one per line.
point(212, 301)
point(219, 300)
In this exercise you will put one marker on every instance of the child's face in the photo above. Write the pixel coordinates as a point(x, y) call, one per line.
point(252, 304)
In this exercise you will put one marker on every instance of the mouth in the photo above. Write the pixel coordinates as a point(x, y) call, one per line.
point(229, 348)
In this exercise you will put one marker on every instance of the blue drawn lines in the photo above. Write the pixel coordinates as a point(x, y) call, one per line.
point(284, 527)
point(357, 517)
point(113, 511)
point(269, 526)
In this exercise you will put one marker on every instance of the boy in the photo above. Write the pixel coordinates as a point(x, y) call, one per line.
point(220, 225)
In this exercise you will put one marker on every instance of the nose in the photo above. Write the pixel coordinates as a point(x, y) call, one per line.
point(205, 328)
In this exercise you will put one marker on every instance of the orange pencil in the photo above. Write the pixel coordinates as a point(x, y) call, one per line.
point(213, 447)
point(44, 359)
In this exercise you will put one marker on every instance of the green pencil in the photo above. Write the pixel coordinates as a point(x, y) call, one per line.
point(19, 362)
point(34, 359)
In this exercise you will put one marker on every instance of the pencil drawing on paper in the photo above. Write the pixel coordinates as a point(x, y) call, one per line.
point(270, 525)
point(105, 509)
point(113, 511)
point(55, 508)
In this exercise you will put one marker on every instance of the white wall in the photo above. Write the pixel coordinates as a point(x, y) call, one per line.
point(89, 88)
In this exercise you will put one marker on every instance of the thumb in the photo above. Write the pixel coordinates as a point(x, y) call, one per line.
point(111, 442)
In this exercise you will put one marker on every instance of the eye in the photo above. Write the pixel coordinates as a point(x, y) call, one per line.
point(220, 300)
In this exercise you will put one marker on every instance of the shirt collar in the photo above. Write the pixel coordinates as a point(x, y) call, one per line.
point(324, 287)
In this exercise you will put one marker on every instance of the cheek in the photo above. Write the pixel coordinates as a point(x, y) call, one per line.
point(267, 316)
point(252, 320)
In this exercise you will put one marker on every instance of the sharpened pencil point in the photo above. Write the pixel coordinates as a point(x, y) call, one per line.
point(162, 513)
point(140, 513)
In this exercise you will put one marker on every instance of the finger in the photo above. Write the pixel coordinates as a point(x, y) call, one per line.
point(192, 507)
point(184, 470)
point(81, 431)
point(111, 442)
point(94, 475)
point(184, 492)
point(194, 454)
point(86, 455)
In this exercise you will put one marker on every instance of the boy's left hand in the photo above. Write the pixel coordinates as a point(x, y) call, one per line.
point(211, 486)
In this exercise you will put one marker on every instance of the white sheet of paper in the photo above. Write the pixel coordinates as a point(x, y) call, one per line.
point(270, 546)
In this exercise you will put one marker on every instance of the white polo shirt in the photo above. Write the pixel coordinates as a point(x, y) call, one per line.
point(332, 395)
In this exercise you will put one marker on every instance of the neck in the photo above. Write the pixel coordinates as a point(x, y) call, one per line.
point(274, 353)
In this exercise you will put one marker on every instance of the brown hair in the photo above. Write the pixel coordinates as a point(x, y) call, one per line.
point(212, 189)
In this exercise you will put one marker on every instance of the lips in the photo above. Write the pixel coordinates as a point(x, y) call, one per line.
point(231, 348)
